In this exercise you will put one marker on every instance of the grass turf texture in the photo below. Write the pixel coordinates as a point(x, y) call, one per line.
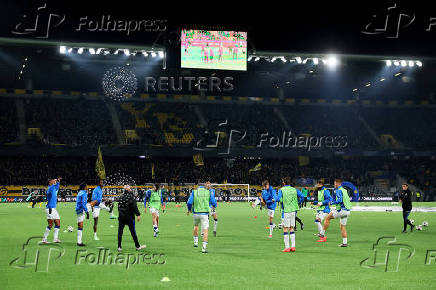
point(240, 257)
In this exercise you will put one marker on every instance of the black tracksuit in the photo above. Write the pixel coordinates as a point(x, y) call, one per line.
point(406, 202)
point(127, 209)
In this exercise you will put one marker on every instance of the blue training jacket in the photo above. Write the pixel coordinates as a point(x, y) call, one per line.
point(268, 196)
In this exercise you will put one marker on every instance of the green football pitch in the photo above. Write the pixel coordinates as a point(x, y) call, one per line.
point(240, 257)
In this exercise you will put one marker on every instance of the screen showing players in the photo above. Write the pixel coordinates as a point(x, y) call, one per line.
point(204, 49)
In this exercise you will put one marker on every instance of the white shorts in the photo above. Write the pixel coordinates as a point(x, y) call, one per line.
point(154, 211)
point(201, 219)
point(271, 213)
point(54, 214)
point(321, 215)
point(289, 219)
point(342, 215)
point(81, 217)
point(95, 212)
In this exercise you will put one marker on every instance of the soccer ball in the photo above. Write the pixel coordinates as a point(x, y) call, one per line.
point(425, 223)
point(70, 229)
point(412, 222)
point(419, 227)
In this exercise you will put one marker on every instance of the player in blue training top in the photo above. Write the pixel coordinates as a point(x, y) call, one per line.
point(97, 203)
point(51, 212)
point(213, 209)
point(323, 201)
point(269, 197)
point(81, 210)
point(343, 209)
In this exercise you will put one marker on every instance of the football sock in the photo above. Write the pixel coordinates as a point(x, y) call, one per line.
point(270, 228)
point(344, 241)
point(196, 240)
point(286, 239)
point(79, 235)
point(46, 233)
point(292, 235)
point(319, 225)
point(56, 233)
point(215, 224)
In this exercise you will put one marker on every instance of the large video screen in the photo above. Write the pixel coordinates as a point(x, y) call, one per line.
point(214, 49)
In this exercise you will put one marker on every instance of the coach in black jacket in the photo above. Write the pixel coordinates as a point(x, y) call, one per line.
point(127, 209)
point(406, 202)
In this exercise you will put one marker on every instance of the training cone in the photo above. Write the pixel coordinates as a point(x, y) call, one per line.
point(255, 216)
point(165, 279)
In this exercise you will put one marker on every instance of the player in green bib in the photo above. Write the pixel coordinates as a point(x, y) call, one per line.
point(289, 197)
point(155, 201)
point(200, 201)
point(343, 209)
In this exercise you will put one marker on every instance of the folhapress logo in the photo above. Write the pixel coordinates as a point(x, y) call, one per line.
point(39, 24)
point(37, 256)
point(387, 255)
point(395, 19)
point(390, 23)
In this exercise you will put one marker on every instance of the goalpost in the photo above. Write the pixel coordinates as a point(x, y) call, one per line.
point(239, 190)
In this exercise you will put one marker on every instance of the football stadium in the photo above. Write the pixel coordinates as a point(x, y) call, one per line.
point(145, 150)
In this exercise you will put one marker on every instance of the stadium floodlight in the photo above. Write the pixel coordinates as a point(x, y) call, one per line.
point(283, 59)
point(99, 50)
point(355, 90)
point(145, 53)
point(396, 63)
point(273, 59)
point(403, 63)
point(257, 58)
point(397, 74)
point(161, 54)
point(249, 58)
point(382, 79)
point(411, 63)
point(126, 52)
point(332, 61)
point(418, 63)
point(91, 51)
point(368, 85)
point(80, 50)
point(62, 49)
point(388, 62)
point(153, 54)
point(298, 59)
point(315, 61)
point(70, 50)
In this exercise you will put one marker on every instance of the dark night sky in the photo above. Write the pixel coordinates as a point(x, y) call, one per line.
point(303, 27)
